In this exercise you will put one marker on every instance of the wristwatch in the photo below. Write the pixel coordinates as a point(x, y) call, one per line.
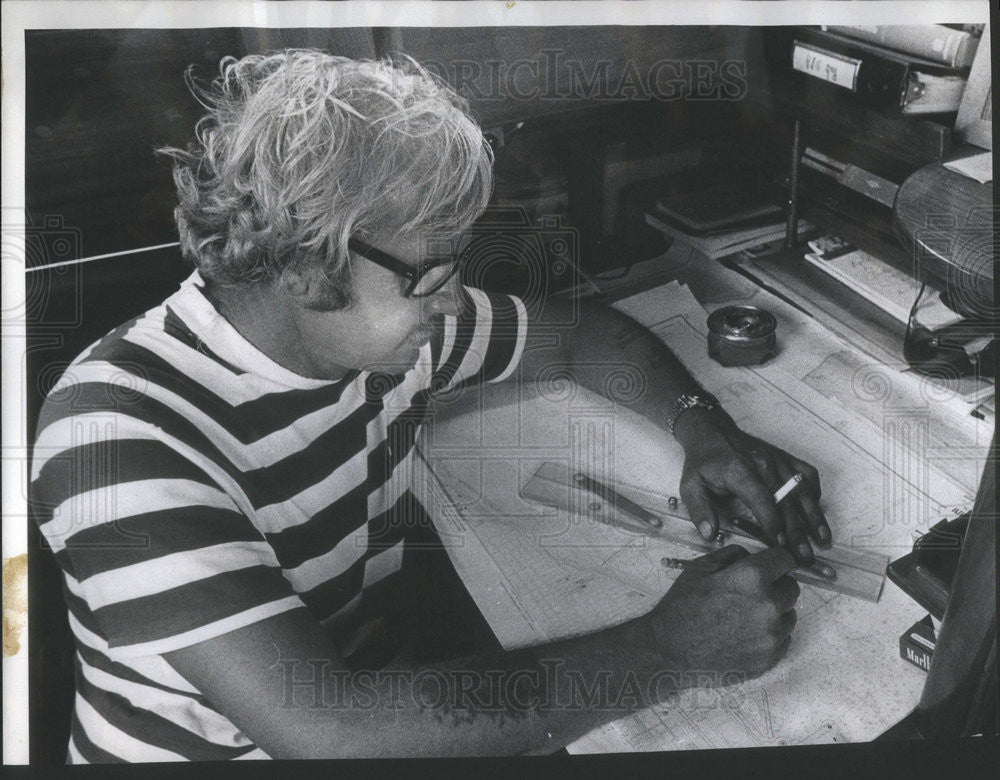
point(689, 401)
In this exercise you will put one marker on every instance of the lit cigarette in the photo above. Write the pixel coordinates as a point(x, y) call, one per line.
point(787, 488)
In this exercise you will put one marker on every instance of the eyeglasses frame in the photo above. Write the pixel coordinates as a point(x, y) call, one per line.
point(413, 273)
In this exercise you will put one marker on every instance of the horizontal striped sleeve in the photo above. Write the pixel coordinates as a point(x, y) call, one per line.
point(202, 633)
point(187, 569)
point(155, 554)
point(483, 344)
point(139, 615)
point(145, 677)
point(113, 505)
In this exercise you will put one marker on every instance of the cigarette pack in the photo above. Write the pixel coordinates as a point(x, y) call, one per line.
point(916, 644)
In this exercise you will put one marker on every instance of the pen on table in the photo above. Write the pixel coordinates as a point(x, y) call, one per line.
point(817, 568)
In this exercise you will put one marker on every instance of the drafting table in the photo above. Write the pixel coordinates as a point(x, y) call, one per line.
point(893, 459)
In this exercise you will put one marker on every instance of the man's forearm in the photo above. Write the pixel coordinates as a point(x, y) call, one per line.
point(530, 701)
point(611, 354)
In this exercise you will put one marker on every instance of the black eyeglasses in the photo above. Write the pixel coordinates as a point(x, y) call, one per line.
point(425, 279)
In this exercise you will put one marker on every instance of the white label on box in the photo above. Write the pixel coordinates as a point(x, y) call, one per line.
point(826, 65)
point(922, 640)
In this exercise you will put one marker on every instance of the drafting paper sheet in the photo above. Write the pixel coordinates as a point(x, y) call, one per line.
point(538, 574)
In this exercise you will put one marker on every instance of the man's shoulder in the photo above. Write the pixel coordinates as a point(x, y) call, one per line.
point(159, 323)
point(119, 366)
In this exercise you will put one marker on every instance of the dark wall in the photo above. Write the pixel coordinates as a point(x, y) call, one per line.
point(523, 73)
point(100, 101)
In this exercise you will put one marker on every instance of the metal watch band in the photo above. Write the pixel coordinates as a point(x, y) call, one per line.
point(689, 401)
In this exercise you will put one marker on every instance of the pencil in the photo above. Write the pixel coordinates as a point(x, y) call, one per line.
point(689, 564)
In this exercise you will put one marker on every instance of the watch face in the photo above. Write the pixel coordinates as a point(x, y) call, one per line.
point(688, 401)
point(706, 400)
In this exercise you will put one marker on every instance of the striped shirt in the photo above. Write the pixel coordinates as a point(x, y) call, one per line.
point(190, 486)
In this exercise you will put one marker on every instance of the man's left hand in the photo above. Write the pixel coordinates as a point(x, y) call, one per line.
point(723, 461)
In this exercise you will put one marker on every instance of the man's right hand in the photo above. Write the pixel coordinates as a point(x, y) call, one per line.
point(735, 621)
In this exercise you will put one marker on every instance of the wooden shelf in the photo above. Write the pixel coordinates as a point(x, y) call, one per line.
point(909, 139)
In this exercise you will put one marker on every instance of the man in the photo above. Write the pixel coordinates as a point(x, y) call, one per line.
point(222, 480)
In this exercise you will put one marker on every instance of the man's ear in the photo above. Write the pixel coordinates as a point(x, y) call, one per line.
point(310, 288)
